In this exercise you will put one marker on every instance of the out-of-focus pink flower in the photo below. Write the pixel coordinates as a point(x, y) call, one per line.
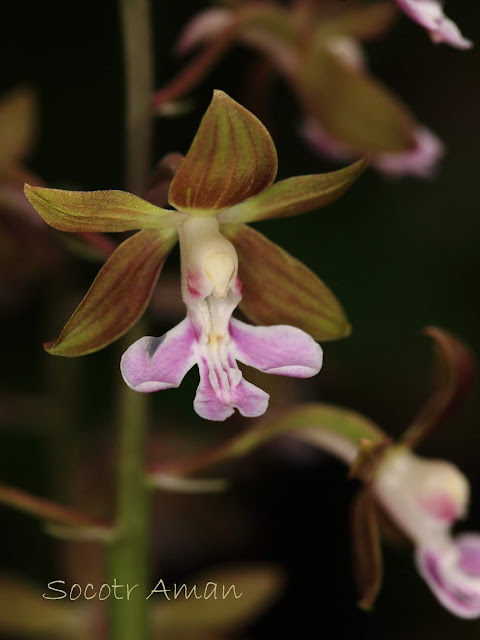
point(425, 498)
point(421, 161)
point(202, 28)
point(429, 13)
point(209, 25)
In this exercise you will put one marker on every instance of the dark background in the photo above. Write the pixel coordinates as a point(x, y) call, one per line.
point(400, 255)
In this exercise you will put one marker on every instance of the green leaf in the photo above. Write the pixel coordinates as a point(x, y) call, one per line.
point(118, 296)
point(232, 158)
point(351, 106)
point(366, 549)
point(279, 289)
point(17, 125)
point(295, 195)
point(99, 210)
point(188, 618)
point(335, 429)
point(455, 369)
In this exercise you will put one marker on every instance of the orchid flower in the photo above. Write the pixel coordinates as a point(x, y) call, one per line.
point(429, 13)
point(224, 181)
point(421, 498)
point(316, 48)
point(403, 494)
point(420, 161)
point(211, 338)
point(425, 498)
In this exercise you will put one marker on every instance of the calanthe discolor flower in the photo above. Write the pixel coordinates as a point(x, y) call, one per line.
point(425, 498)
point(422, 499)
point(224, 181)
point(421, 160)
point(212, 339)
point(317, 48)
point(404, 496)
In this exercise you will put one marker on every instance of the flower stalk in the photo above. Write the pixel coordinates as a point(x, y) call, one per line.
point(137, 42)
point(128, 550)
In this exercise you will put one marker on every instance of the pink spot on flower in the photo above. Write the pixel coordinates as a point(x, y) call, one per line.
point(194, 283)
point(238, 287)
point(441, 506)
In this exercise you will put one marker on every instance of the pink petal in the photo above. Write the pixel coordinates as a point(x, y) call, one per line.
point(449, 33)
point(429, 13)
point(220, 405)
point(421, 161)
point(250, 400)
point(454, 588)
point(469, 546)
point(202, 28)
point(281, 349)
point(154, 364)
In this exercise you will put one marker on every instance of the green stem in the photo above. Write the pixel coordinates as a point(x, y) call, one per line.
point(127, 560)
point(135, 15)
point(128, 551)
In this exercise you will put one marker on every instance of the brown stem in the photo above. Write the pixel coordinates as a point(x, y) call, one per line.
point(45, 509)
